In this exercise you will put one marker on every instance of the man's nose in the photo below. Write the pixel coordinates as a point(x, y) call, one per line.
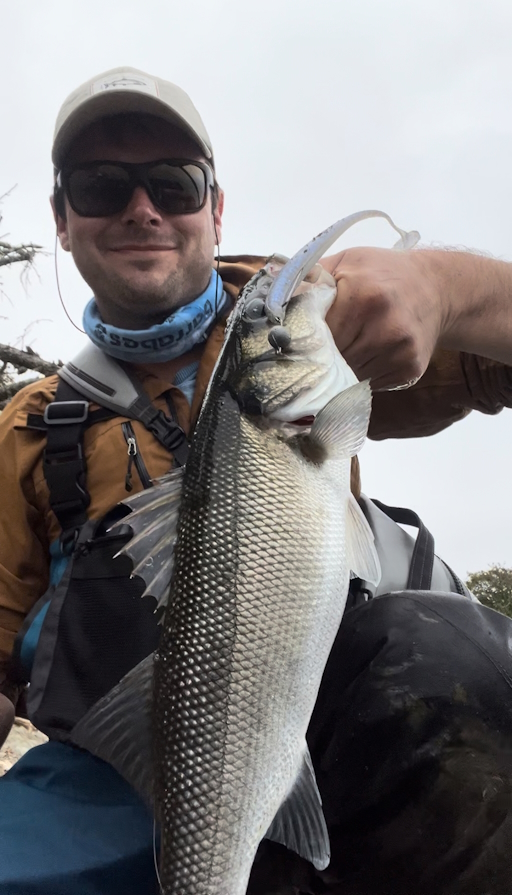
point(140, 209)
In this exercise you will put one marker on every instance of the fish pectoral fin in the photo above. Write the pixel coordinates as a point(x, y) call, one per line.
point(118, 729)
point(153, 520)
point(343, 422)
point(300, 824)
point(362, 557)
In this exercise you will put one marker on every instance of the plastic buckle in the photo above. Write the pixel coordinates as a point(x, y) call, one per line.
point(74, 412)
point(172, 439)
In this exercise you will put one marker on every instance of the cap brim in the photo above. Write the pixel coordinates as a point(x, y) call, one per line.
point(114, 103)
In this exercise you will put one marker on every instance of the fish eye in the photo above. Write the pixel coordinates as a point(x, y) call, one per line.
point(254, 309)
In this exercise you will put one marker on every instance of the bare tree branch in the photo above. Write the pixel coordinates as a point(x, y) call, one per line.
point(10, 254)
point(27, 360)
point(14, 362)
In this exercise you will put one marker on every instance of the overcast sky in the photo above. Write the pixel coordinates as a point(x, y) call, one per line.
point(316, 110)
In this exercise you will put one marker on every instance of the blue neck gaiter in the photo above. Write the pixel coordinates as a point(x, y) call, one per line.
point(182, 330)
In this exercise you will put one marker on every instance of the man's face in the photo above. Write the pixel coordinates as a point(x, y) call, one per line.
point(141, 263)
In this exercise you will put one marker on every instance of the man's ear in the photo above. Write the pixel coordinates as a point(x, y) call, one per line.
point(217, 215)
point(62, 226)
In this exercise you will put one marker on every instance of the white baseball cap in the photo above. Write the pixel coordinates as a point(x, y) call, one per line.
point(126, 89)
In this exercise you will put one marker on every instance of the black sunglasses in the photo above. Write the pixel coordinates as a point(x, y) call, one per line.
point(99, 189)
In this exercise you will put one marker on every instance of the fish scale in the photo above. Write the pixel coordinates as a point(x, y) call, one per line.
point(267, 615)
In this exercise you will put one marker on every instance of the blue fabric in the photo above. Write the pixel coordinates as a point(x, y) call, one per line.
point(185, 379)
point(184, 328)
point(70, 825)
point(59, 560)
point(31, 639)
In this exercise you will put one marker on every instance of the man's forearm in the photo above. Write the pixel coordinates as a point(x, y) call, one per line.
point(477, 295)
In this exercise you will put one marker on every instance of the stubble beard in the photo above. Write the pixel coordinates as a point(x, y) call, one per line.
point(132, 306)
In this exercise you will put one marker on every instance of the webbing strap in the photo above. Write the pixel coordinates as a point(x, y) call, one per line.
point(37, 420)
point(422, 561)
point(165, 430)
point(63, 460)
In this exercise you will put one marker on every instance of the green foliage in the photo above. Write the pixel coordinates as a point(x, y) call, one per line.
point(493, 588)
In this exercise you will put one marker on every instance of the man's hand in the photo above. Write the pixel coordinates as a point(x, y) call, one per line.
point(387, 317)
point(393, 308)
point(6, 717)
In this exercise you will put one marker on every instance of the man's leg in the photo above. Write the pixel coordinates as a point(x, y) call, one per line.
point(6, 717)
point(411, 739)
point(70, 824)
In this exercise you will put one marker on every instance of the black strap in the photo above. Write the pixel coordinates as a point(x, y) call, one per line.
point(37, 420)
point(422, 562)
point(63, 459)
point(165, 430)
point(65, 420)
point(460, 586)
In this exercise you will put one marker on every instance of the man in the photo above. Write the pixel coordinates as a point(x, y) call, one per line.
point(410, 736)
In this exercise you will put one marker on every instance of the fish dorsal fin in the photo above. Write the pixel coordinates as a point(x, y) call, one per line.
point(362, 557)
point(300, 824)
point(343, 422)
point(154, 520)
point(118, 729)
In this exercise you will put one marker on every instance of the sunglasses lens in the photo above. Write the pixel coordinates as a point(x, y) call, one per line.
point(177, 189)
point(98, 191)
point(102, 189)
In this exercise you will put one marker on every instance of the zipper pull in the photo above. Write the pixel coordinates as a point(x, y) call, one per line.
point(132, 453)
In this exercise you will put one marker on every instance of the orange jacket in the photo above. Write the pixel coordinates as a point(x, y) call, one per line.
point(453, 385)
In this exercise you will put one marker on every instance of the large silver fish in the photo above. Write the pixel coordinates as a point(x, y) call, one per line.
point(266, 535)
